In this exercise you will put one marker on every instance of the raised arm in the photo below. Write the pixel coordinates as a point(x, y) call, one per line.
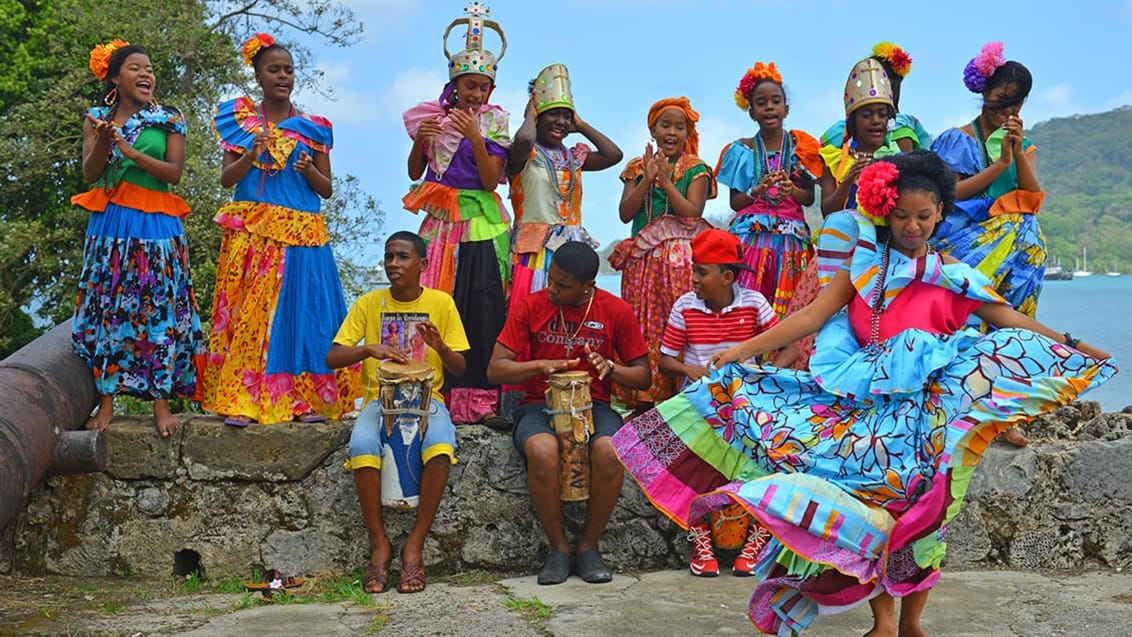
point(606, 154)
point(1000, 316)
point(524, 140)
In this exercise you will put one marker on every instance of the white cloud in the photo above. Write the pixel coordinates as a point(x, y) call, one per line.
point(1058, 95)
point(347, 105)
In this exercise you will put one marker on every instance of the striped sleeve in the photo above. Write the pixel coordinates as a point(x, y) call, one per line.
point(676, 331)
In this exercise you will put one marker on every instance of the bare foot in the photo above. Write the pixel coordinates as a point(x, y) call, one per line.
point(912, 631)
point(101, 419)
point(1013, 436)
point(879, 631)
point(164, 419)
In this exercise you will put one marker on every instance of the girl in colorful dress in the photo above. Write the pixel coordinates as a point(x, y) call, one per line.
point(996, 226)
point(546, 178)
point(460, 144)
point(771, 176)
point(869, 107)
point(907, 132)
point(856, 468)
point(136, 323)
point(278, 300)
point(664, 196)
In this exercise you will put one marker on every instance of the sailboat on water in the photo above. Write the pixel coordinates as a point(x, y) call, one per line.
point(1083, 264)
point(1113, 271)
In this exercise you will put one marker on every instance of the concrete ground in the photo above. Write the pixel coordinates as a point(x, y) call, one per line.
point(982, 603)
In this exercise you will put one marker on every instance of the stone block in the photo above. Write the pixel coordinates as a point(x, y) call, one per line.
point(136, 452)
point(269, 453)
point(1101, 470)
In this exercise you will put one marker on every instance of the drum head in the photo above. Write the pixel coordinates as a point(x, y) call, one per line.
point(411, 369)
point(564, 379)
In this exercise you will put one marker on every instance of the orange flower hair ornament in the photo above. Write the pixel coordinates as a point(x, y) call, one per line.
point(877, 192)
point(100, 57)
point(753, 76)
point(896, 57)
point(253, 46)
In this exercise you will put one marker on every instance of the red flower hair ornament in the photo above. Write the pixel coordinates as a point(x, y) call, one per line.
point(877, 192)
point(254, 45)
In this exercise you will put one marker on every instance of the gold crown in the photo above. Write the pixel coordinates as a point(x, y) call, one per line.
point(551, 89)
point(867, 84)
point(474, 58)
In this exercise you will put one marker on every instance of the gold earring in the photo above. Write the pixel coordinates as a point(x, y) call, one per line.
point(111, 97)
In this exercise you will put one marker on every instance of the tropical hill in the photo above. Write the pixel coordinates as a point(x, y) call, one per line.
point(1085, 166)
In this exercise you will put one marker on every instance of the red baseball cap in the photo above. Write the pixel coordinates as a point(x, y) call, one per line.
point(718, 247)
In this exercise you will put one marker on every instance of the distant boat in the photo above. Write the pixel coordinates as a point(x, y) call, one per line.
point(1054, 272)
point(1113, 271)
point(1083, 270)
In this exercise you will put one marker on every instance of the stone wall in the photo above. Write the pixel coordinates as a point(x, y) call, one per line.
point(232, 500)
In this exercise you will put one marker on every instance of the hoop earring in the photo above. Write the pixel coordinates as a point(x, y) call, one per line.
point(111, 97)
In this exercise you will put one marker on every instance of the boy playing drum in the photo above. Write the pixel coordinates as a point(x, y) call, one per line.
point(432, 315)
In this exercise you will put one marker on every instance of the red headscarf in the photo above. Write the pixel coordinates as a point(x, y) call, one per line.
point(692, 143)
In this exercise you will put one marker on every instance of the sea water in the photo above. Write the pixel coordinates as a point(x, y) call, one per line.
point(1096, 309)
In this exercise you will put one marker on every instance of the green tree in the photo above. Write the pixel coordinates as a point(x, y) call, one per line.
point(45, 87)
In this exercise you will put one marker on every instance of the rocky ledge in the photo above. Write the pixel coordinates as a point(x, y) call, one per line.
point(228, 501)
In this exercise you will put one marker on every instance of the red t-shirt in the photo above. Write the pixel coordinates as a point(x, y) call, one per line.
point(534, 330)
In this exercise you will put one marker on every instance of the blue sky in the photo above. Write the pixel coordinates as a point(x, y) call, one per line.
point(624, 55)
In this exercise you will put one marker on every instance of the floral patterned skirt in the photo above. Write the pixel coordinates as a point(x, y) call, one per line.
point(136, 323)
point(656, 269)
point(275, 311)
point(856, 491)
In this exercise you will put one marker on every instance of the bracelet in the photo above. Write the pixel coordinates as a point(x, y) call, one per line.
point(1070, 341)
point(610, 363)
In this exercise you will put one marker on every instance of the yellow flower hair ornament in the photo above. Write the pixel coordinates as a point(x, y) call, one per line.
point(100, 57)
point(896, 57)
point(254, 45)
point(752, 77)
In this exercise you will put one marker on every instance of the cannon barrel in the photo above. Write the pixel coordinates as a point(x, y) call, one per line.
point(45, 389)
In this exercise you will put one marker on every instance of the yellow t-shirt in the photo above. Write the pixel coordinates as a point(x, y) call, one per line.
point(376, 317)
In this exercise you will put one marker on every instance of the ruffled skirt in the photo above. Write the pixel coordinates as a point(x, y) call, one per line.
point(656, 269)
point(468, 235)
point(856, 484)
point(1006, 245)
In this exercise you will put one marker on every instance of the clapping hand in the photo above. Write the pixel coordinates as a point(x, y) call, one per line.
point(428, 130)
point(466, 123)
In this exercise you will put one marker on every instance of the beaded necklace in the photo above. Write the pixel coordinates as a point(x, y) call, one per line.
point(763, 158)
point(877, 300)
point(561, 159)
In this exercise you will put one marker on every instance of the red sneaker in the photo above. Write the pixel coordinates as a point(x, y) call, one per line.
point(702, 562)
point(748, 558)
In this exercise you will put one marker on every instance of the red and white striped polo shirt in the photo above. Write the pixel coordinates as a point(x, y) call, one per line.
point(698, 332)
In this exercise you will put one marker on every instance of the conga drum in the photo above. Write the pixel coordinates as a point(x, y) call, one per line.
point(729, 526)
point(571, 414)
point(405, 393)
